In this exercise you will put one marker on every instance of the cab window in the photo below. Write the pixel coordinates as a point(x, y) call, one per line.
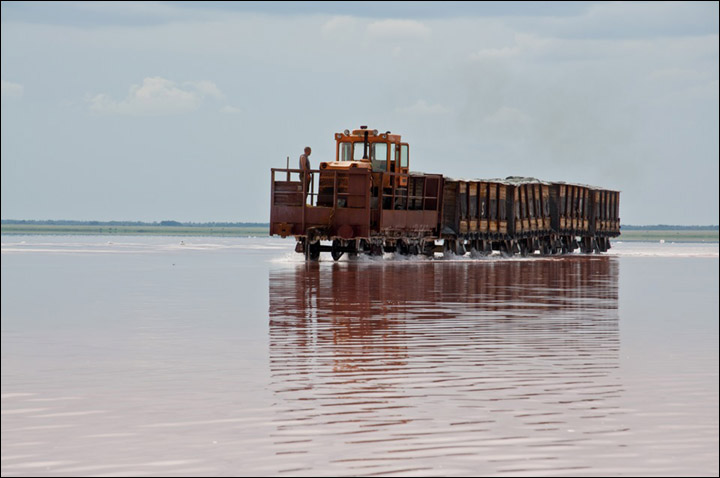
point(379, 156)
point(404, 156)
point(346, 152)
point(358, 150)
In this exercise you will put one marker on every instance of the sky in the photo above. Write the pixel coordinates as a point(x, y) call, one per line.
point(177, 110)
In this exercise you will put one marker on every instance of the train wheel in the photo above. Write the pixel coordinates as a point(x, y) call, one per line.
point(504, 249)
point(487, 247)
point(564, 245)
point(523, 248)
point(585, 245)
point(376, 250)
point(557, 247)
point(312, 251)
point(429, 249)
point(448, 247)
point(336, 253)
point(402, 248)
point(545, 248)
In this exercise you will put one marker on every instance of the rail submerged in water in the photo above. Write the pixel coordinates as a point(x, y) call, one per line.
point(364, 212)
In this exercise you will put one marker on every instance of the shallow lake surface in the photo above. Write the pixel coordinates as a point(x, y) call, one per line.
point(231, 356)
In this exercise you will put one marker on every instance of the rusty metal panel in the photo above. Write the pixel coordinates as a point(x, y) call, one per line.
point(281, 229)
point(450, 212)
point(529, 205)
point(394, 220)
point(428, 219)
point(288, 193)
point(572, 209)
point(492, 202)
point(576, 202)
point(464, 226)
point(408, 220)
point(358, 219)
point(534, 201)
point(318, 215)
point(358, 190)
point(432, 193)
point(538, 206)
point(502, 202)
point(472, 201)
point(483, 200)
point(463, 204)
point(607, 205)
point(516, 206)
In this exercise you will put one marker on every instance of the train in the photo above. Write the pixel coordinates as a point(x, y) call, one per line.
point(368, 201)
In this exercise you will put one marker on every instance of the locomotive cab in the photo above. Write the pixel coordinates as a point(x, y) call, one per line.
point(371, 150)
point(368, 152)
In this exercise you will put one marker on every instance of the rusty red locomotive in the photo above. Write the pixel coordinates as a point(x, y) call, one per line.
point(368, 201)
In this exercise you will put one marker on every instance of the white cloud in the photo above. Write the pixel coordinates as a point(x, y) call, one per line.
point(397, 29)
point(523, 44)
point(340, 24)
point(207, 88)
point(11, 90)
point(157, 96)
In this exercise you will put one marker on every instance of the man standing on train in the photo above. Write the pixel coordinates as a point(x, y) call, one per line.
point(305, 167)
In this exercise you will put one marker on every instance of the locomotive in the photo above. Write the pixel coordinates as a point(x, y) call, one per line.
point(368, 201)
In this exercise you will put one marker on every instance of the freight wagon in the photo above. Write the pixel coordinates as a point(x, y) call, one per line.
point(368, 201)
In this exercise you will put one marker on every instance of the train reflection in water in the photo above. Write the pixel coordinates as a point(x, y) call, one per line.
point(470, 354)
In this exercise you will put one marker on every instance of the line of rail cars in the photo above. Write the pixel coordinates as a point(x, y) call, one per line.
point(368, 201)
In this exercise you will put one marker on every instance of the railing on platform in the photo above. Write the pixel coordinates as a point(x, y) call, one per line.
point(293, 192)
point(337, 198)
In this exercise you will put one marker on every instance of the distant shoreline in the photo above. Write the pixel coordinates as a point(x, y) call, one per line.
point(656, 235)
point(629, 233)
point(144, 230)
